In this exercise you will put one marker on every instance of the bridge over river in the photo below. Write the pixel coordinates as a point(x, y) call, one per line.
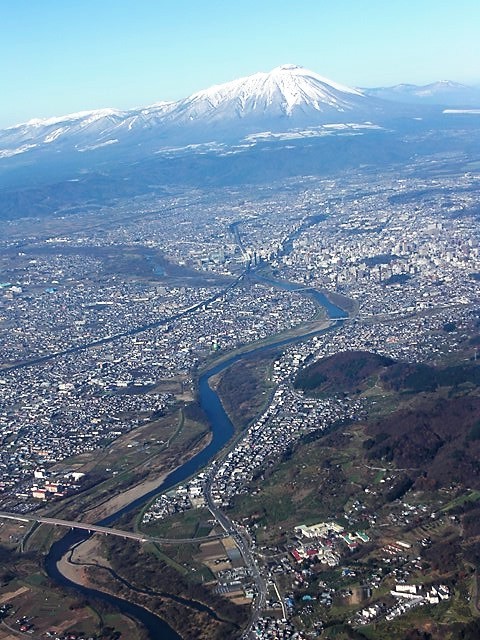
point(95, 528)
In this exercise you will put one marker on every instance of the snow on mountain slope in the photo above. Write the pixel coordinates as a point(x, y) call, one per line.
point(283, 91)
point(288, 97)
point(83, 127)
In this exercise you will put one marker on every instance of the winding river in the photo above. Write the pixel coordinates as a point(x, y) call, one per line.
point(222, 431)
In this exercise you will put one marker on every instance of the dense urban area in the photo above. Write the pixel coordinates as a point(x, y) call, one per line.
point(105, 327)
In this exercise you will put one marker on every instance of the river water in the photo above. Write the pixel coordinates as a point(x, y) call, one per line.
point(222, 431)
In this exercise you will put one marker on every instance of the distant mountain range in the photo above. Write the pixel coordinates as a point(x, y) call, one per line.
point(445, 92)
point(268, 126)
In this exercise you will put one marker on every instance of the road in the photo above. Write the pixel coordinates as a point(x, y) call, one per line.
point(94, 528)
point(231, 528)
point(131, 332)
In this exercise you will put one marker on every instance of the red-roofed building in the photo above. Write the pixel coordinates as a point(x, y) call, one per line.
point(296, 555)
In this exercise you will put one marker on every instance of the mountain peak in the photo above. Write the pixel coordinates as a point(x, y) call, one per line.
point(285, 98)
point(287, 67)
point(287, 90)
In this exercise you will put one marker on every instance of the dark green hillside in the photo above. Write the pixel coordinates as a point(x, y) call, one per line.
point(406, 474)
point(439, 441)
point(343, 372)
point(421, 377)
point(350, 372)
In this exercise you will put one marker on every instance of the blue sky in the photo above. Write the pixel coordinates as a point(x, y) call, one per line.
point(61, 56)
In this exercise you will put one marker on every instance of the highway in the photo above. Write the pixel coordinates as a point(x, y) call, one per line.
point(94, 528)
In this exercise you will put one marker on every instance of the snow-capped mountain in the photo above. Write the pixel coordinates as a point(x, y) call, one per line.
point(286, 98)
point(268, 126)
point(445, 93)
point(286, 92)
point(82, 131)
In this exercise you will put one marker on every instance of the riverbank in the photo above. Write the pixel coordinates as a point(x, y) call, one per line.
point(167, 594)
point(349, 305)
point(74, 565)
point(302, 331)
point(222, 431)
point(136, 492)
